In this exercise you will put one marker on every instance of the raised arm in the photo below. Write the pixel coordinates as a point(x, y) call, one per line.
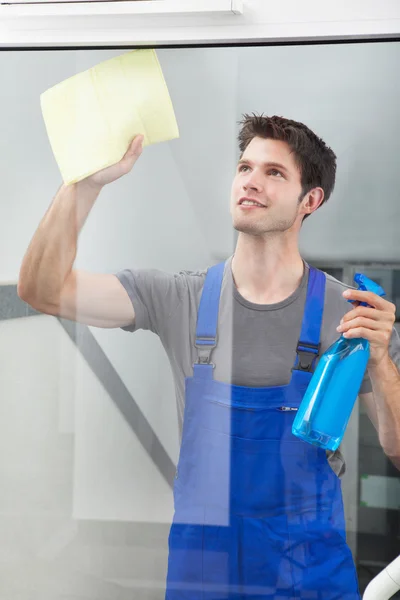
point(47, 280)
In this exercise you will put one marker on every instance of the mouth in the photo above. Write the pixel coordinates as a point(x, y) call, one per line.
point(250, 203)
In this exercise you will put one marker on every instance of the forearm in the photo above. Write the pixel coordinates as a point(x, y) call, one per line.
point(385, 380)
point(52, 251)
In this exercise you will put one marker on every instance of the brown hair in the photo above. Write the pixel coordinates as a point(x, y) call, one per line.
point(316, 161)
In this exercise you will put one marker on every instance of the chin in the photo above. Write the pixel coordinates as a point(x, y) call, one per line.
point(259, 229)
point(250, 228)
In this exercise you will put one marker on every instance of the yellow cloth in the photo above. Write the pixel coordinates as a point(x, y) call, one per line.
point(92, 117)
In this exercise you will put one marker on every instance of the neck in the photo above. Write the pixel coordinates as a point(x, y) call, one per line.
point(266, 271)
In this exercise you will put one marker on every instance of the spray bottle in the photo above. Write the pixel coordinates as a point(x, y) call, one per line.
point(331, 394)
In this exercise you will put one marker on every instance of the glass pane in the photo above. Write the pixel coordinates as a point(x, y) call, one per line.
point(95, 419)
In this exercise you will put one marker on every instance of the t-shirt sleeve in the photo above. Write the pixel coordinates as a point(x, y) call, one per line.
point(154, 294)
point(394, 351)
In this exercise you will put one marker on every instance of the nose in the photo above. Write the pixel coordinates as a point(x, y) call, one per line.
point(252, 182)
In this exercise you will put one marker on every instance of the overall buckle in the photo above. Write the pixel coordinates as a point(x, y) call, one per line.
point(306, 353)
point(205, 345)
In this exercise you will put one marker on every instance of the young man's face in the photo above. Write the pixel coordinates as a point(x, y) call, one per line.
point(276, 188)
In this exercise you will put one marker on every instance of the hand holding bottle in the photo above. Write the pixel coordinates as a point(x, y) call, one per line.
point(371, 319)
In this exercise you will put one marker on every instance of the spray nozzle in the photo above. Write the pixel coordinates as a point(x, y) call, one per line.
point(367, 285)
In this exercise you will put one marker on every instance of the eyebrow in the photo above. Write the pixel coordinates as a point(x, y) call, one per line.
point(267, 164)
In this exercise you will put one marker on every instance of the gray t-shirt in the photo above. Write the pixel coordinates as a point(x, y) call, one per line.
point(256, 343)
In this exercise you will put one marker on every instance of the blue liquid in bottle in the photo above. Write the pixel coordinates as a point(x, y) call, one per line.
point(327, 405)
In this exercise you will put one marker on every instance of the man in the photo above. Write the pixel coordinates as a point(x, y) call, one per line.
point(258, 512)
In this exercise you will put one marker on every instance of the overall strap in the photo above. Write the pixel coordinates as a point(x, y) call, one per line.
point(207, 320)
point(309, 345)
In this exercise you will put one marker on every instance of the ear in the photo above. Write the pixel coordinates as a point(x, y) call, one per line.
point(312, 200)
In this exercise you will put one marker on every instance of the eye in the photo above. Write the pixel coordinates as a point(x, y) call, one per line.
point(272, 171)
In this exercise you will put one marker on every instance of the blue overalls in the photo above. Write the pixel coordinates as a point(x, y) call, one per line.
point(258, 512)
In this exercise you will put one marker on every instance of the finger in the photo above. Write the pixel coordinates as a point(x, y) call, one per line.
point(370, 313)
point(132, 154)
point(365, 323)
point(370, 298)
point(135, 146)
point(380, 338)
point(139, 139)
